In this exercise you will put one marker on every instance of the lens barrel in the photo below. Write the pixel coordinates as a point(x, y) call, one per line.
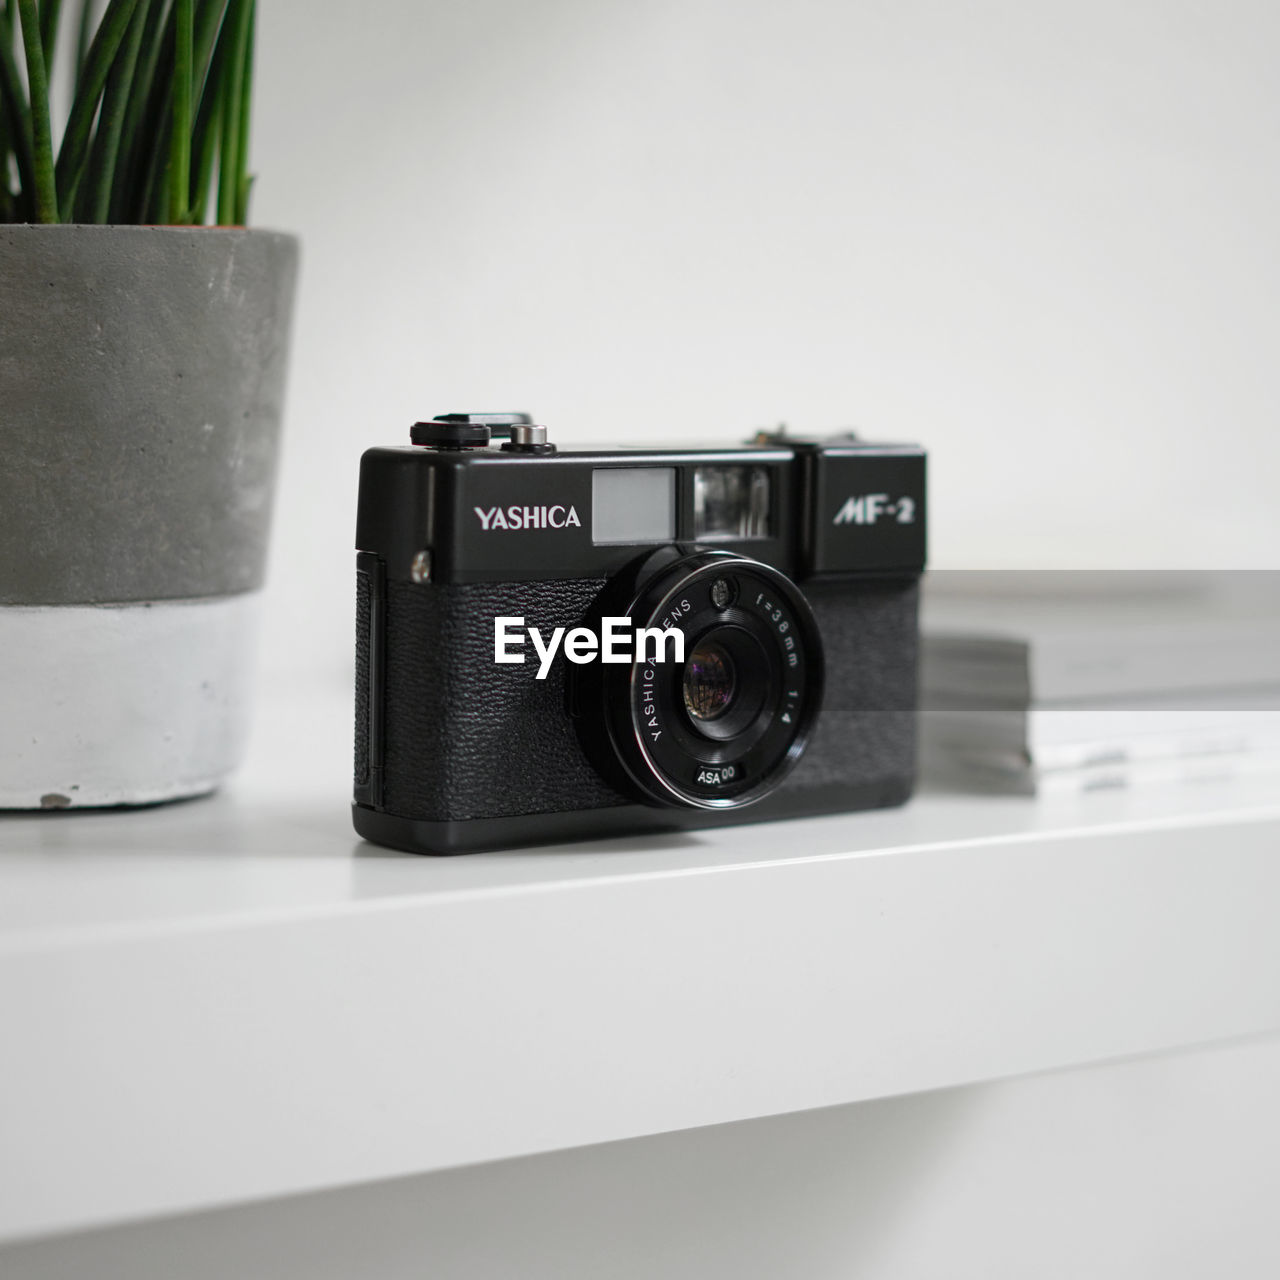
point(724, 727)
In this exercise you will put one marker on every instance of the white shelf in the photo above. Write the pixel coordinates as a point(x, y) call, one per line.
point(232, 999)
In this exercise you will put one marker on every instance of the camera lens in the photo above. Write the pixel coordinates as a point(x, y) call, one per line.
point(727, 683)
point(723, 727)
point(708, 682)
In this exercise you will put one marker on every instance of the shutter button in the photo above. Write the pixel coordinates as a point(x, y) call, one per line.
point(527, 438)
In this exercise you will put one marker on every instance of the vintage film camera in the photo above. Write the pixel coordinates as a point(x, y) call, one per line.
point(789, 569)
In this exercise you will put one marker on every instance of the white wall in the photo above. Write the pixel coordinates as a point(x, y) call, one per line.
point(1038, 237)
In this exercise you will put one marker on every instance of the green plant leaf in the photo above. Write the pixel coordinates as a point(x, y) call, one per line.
point(45, 192)
point(6, 46)
point(209, 18)
point(180, 128)
point(74, 155)
point(158, 127)
point(17, 116)
point(238, 24)
point(154, 188)
point(147, 199)
point(50, 11)
point(103, 158)
point(84, 33)
point(143, 112)
point(207, 133)
point(243, 181)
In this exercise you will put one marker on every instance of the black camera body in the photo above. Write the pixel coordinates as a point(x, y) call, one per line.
point(771, 593)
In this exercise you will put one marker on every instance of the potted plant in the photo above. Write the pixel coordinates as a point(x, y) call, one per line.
point(142, 360)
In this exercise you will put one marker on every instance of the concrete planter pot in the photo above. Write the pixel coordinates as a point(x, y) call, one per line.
point(141, 378)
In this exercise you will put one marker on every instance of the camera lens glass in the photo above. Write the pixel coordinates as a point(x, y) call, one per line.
point(728, 682)
point(720, 726)
point(709, 681)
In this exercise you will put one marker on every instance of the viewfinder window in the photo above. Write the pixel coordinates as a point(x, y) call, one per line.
point(633, 504)
point(731, 502)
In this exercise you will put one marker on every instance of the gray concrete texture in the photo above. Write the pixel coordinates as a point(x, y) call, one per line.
point(142, 374)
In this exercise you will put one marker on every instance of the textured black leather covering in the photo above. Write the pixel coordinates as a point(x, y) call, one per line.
point(866, 730)
point(364, 602)
point(467, 738)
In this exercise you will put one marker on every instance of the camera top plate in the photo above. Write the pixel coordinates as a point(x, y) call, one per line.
point(523, 511)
